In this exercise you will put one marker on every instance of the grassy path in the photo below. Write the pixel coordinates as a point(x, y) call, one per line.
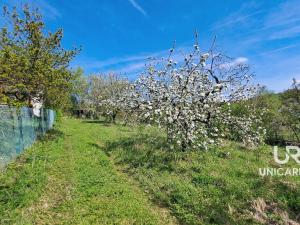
point(67, 179)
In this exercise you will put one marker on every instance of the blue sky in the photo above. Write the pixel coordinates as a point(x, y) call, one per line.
point(118, 35)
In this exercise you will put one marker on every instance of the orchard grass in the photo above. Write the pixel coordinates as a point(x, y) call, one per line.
point(66, 178)
point(92, 172)
point(218, 186)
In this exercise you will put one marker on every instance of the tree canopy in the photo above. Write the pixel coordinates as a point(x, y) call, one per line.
point(33, 65)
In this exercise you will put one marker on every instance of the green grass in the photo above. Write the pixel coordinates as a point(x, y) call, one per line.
point(89, 172)
point(220, 186)
point(66, 179)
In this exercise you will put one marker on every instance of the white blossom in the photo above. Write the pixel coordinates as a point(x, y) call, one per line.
point(188, 101)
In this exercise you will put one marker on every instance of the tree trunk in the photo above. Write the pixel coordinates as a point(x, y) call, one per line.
point(114, 115)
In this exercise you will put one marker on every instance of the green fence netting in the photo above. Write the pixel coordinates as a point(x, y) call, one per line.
point(19, 129)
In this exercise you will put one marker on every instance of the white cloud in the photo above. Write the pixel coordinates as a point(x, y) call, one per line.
point(285, 13)
point(243, 16)
point(278, 22)
point(116, 62)
point(102, 64)
point(234, 20)
point(278, 50)
point(283, 21)
point(241, 60)
point(131, 68)
point(286, 33)
point(237, 61)
point(137, 7)
point(130, 62)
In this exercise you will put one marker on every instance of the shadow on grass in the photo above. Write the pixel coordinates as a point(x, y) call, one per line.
point(94, 145)
point(144, 155)
point(104, 123)
point(51, 135)
point(144, 151)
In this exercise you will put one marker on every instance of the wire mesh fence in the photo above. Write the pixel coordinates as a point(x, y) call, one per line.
point(19, 129)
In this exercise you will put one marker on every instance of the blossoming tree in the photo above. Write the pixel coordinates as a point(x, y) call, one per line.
point(105, 94)
point(192, 100)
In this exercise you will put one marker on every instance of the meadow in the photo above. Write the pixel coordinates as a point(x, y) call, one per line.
point(92, 172)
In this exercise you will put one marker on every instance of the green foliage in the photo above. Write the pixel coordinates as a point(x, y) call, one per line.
point(291, 109)
point(79, 91)
point(281, 116)
point(272, 119)
point(33, 65)
point(80, 84)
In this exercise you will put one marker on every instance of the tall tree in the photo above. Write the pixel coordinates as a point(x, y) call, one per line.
point(33, 65)
point(194, 100)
